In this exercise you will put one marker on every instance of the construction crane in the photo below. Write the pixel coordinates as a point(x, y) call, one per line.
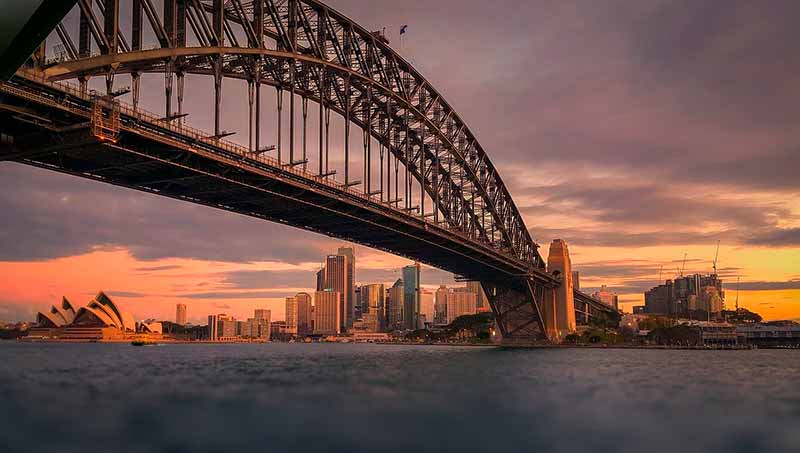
point(683, 268)
point(716, 256)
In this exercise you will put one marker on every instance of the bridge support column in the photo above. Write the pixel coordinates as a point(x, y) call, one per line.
point(560, 318)
point(516, 306)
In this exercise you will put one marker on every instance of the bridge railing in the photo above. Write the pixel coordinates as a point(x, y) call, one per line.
point(200, 136)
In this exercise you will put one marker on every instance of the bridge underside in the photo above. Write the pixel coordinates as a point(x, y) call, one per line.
point(153, 158)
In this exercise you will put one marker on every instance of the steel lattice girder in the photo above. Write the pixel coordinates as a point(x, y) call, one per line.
point(357, 69)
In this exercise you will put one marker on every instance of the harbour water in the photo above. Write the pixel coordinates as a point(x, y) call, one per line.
point(379, 398)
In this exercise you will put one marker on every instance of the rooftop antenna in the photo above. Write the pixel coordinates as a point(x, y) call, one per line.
point(716, 256)
point(660, 269)
point(737, 292)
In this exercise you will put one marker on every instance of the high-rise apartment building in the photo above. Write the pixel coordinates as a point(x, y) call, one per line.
point(304, 319)
point(262, 319)
point(349, 293)
point(395, 306)
point(460, 303)
point(327, 312)
point(411, 277)
point(180, 314)
point(227, 326)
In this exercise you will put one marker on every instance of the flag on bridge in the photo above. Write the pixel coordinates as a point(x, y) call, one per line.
point(403, 29)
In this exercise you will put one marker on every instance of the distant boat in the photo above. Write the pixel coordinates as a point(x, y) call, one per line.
point(143, 343)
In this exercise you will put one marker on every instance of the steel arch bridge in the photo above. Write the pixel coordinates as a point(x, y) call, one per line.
point(414, 181)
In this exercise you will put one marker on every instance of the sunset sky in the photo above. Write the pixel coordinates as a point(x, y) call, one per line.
point(638, 131)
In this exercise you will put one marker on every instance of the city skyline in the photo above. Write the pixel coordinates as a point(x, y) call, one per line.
point(729, 172)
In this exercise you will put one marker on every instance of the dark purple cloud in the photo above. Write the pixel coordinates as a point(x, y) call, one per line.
point(691, 105)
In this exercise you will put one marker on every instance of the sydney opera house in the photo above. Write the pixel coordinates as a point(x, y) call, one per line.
point(100, 320)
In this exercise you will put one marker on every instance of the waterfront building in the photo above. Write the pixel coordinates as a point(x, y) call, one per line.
point(440, 306)
point(460, 303)
point(327, 312)
point(396, 306)
point(349, 294)
point(150, 326)
point(607, 297)
point(304, 314)
point(99, 320)
point(180, 314)
point(693, 296)
point(411, 296)
point(291, 315)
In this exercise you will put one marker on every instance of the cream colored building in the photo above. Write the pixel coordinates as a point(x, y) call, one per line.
point(461, 303)
point(327, 312)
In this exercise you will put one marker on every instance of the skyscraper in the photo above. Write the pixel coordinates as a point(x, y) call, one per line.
point(336, 279)
point(411, 276)
point(373, 300)
point(426, 304)
point(304, 319)
point(327, 311)
point(349, 293)
point(395, 306)
point(321, 278)
point(180, 314)
point(291, 315)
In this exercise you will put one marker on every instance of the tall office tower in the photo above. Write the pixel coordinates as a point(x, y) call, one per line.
point(395, 306)
point(482, 302)
point(304, 319)
point(213, 327)
point(358, 310)
point(349, 293)
point(576, 280)
point(460, 303)
point(336, 278)
point(321, 279)
point(373, 302)
point(426, 304)
point(291, 315)
point(411, 312)
point(180, 314)
point(327, 312)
